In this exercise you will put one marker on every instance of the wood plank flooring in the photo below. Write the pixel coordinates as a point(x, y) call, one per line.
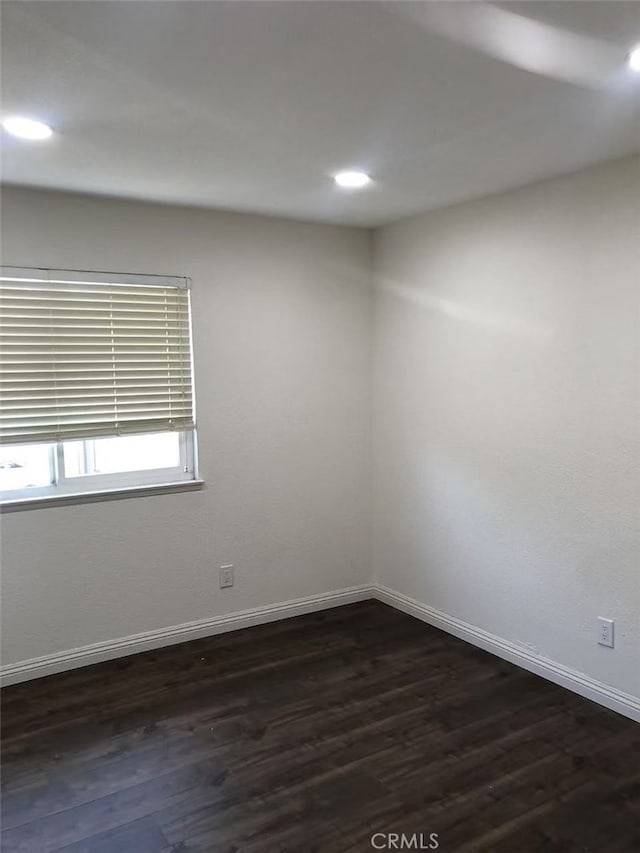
point(312, 734)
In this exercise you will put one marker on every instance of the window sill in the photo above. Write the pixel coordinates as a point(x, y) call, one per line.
point(104, 495)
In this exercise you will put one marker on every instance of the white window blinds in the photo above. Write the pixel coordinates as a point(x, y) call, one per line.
point(92, 354)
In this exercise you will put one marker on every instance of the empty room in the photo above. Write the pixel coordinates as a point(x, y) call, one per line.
point(320, 426)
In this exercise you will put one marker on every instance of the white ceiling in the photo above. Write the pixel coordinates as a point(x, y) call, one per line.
point(253, 105)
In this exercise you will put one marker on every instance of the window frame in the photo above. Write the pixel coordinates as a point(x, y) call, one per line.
point(93, 485)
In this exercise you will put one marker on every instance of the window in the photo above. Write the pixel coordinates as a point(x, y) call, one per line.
point(96, 392)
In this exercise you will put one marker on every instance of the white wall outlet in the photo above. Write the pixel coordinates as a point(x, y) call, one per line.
point(226, 576)
point(605, 632)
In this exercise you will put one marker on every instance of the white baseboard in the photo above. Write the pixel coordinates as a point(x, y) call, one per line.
point(98, 652)
point(578, 682)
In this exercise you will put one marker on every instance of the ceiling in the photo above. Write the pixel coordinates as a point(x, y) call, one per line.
point(252, 106)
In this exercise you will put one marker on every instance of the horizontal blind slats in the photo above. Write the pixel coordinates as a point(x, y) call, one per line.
point(91, 389)
point(81, 360)
point(34, 409)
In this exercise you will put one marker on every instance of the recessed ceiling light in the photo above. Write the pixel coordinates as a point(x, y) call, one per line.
point(26, 128)
point(634, 59)
point(352, 180)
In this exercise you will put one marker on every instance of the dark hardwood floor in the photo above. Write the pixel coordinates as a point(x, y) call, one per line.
point(312, 734)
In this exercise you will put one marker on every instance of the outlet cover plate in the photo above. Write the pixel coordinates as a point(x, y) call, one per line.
point(605, 632)
point(226, 576)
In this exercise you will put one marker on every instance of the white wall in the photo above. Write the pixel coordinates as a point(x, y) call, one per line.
point(281, 316)
point(507, 408)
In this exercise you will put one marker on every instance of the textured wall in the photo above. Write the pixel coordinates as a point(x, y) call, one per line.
point(507, 413)
point(281, 316)
point(506, 383)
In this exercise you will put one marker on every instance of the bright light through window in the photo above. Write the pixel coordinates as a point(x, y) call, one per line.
point(26, 466)
point(94, 465)
point(121, 454)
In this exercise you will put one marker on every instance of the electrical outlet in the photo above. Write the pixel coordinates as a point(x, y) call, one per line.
point(226, 576)
point(605, 632)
